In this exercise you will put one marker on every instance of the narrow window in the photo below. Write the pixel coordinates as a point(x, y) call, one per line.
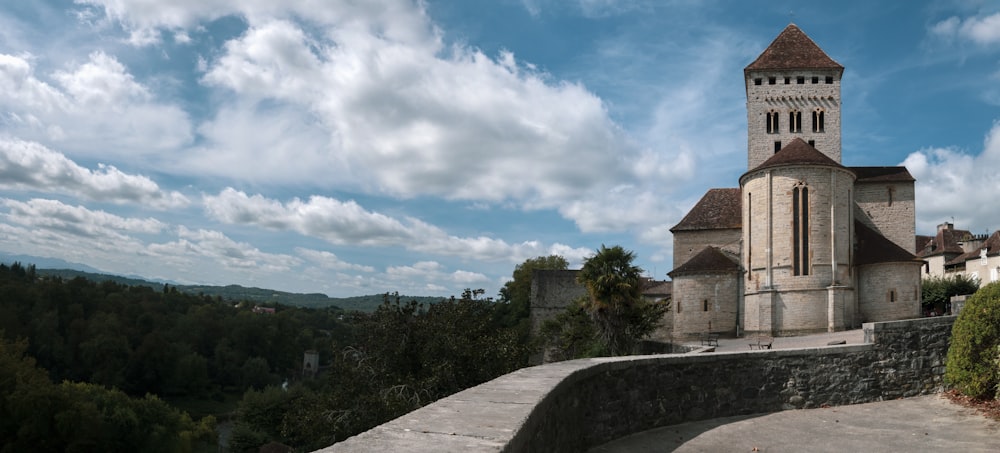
point(678, 305)
point(818, 121)
point(771, 80)
point(800, 230)
point(788, 80)
point(772, 122)
point(704, 305)
point(800, 80)
point(777, 146)
point(829, 80)
point(795, 121)
point(892, 295)
point(812, 143)
point(890, 190)
point(756, 81)
point(815, 80)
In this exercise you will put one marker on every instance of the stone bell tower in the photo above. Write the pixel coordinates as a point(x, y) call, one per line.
point(793, 91)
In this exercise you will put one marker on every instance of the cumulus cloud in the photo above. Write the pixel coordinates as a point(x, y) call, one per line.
point(95, 107)
point(219, 248)
point(55, 225)
point(31, 166)
point(954, 183)
point(339, 222)
point(983, 29)
point(329, 260)
point(432, 271)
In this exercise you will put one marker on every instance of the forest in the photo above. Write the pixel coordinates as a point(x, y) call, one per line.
point(104, 366)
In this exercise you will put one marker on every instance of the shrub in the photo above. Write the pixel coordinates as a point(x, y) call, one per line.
point(973, 366)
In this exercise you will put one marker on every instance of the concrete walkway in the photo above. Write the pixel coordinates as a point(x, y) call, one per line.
point(806, 341)
point(924, 423)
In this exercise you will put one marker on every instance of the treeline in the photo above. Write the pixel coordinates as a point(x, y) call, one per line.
point(161, 342)
point(101, 355)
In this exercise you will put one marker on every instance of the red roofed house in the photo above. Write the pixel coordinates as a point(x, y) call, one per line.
point(805, 244)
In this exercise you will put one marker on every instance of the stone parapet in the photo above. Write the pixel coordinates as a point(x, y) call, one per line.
point(572, 406)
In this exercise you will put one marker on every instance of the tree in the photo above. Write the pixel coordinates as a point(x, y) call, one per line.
point(615, 301)
point(936, 292)
point(973, 365)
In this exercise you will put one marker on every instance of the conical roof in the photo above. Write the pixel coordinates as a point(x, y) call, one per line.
point(710, 260)
point(792, 49)
point(798, 152)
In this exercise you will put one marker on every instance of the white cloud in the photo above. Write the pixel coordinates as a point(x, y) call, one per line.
point(31, 166)
point(953, 183)
point(339, 222)
point(219, 248)
point(77, 223)
point(435, 273)
point(983, 30)
point(95, 108)
point(329, 260)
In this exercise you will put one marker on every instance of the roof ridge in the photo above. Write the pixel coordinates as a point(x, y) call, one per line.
point(793, 49)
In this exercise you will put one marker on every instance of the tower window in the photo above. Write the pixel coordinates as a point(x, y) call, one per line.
point(795, 121)
point(829, 80)
point(800, 80)
point(757, 81)
point(800, 230)
point(815, 80)
point(892, 295)
point(788, 80)
point(777, 146)
point(818, 121)
point(772, 122)
point(704, 305)
point(771, 80)
point(678, 306)
point(812, 143)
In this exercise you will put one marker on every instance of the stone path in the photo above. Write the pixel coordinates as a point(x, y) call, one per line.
point(924, 423)
point(807, 341)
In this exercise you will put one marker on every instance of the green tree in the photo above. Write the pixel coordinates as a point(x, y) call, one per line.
point(572, 334)
point(615, 301)
point(973, 365)
point(936, 292)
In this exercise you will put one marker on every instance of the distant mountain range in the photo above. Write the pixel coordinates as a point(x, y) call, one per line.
point(67, 270)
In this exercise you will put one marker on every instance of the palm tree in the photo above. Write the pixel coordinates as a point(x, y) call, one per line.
point(615, 303)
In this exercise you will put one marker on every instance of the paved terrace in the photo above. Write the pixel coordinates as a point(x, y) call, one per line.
point(730, 400)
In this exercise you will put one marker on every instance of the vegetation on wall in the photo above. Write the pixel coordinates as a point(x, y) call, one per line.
point(936, 292)
point(614, 315)
point(973, 365)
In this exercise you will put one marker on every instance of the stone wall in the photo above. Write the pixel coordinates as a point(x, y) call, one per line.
point(572, 406)
point(889, 208)
point(705, 303)
point(889, 291)
point(688, 243)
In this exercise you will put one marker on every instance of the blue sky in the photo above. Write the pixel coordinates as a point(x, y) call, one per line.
point(360, 147)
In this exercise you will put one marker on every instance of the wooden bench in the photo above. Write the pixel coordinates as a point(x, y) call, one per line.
point(762, 343)
point(710, 339)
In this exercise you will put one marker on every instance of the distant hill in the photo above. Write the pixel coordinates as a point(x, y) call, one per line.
point(229, 292)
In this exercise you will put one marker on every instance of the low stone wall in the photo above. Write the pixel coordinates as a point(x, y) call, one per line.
point(571, 406)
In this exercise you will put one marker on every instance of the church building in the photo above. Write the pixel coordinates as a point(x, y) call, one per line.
point(804, 244)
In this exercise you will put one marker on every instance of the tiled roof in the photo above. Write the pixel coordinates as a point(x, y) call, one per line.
point(792, 49)
point(946, 242)
point(798, 152)
point(718, 209)
point(922, 241)
point(873, 248)
point(657, 288)
point(709, 260)
point(992, 246)
point(882, 174)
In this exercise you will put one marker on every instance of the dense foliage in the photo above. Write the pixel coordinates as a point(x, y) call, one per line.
point(404, 356)
point(620, 312)
point(38, 415)
point(936, 292)
point(973, 366)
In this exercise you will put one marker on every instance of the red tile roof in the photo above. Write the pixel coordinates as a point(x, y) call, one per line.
point(798, 152)
point(792, 49)
point(946, 242)
point(717, 209)
point(882, 174)
point(873, 248)
point(710, 260)
point(992, 246)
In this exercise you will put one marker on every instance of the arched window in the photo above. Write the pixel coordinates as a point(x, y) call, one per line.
point(800, 230)
point(772, 122)
point(795, 121)
point(818, 120)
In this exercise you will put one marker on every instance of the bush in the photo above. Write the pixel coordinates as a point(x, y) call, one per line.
point(973, 366)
